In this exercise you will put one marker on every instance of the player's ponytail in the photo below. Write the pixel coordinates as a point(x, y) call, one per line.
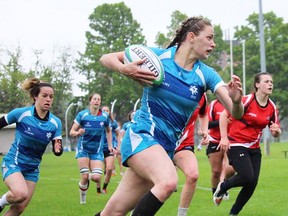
point(192, 24)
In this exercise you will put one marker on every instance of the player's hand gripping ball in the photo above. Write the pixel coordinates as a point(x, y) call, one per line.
point(152, 63)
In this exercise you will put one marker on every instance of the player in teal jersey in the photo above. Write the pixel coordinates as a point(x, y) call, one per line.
point(36, 127)
point(89, 126)
point(124, 128)
point(109, 156)
point(149, 143)
point(127, 124)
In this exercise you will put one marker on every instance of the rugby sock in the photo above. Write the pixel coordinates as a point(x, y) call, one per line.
point(182, 211)
point(83, 190)
point(98, 214)
point(213, 190)
point(3, 200)
point(147, 206)
point(105, 185)
point(98, 189)
point(83, 187)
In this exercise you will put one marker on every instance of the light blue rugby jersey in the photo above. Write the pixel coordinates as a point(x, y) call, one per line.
point(32, 136)
point(126, 125)
point(114, 126)
point(94, 126)
point(165, 109)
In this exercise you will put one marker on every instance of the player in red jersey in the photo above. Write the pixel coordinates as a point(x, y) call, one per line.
point(185, 158)
point(243, 141)
point(220, 169)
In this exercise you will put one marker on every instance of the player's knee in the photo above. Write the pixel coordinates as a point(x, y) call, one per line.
point(109, 170)
point(216, 173)
point(19, 196)
point(170, 185)
point(247, 179)
point(96, 174)
point(95, 178)
point(192, 177)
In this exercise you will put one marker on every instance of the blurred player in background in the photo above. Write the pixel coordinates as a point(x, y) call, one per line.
point(185, 158)
point(89, 126)
point(220, 169)
point(109, 156)
point(242, 141)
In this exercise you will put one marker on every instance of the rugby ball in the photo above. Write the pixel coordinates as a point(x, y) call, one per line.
point(152, 63)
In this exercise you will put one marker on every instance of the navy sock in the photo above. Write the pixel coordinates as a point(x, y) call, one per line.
point(98, 214)
point(147, 206)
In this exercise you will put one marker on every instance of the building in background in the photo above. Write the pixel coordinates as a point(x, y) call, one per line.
point(7, 135)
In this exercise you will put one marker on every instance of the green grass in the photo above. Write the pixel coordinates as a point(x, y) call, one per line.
point(57, 190)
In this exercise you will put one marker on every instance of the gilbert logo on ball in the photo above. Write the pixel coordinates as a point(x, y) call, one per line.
point(152, 63)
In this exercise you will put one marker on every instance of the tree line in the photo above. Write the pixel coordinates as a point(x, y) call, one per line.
point(112, 28)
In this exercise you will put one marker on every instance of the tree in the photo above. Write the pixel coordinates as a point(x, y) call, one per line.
point(177, 18)
point(11, 75)
point(59, 74)
point(112, 29)
point(276, 44)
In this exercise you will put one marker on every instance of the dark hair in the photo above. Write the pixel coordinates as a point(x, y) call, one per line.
point(192, 24)
point(257, 78)
point(129, 115)
point(33, 86)
point(110, 114)
point(91, 96)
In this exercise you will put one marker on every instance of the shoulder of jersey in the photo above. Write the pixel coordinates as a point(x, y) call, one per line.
point(152, 63)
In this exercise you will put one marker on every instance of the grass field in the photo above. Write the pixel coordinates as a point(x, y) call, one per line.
point(57, 190)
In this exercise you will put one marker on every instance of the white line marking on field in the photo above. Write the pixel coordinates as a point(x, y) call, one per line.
point(117, 182)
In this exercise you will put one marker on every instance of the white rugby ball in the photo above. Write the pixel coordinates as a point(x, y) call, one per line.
point(152, 63)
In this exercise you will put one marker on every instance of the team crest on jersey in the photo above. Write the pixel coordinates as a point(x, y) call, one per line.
point(28, 131)
point(101, 124)
point(49, 135)
point(194, 90)
point(87, 124)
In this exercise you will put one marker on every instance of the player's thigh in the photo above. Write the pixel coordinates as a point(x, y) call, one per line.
point(21, 206)
point(186, 161)
point(153, 164)
point(216, 160)
point(94, 164)
point(83, 162)
point(16, 183)
point(109, 162)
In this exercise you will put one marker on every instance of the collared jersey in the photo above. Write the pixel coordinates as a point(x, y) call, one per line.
point(32, 136)
point(247, 131)
point(187, 139)
point(165, 109)
point(94, 126)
